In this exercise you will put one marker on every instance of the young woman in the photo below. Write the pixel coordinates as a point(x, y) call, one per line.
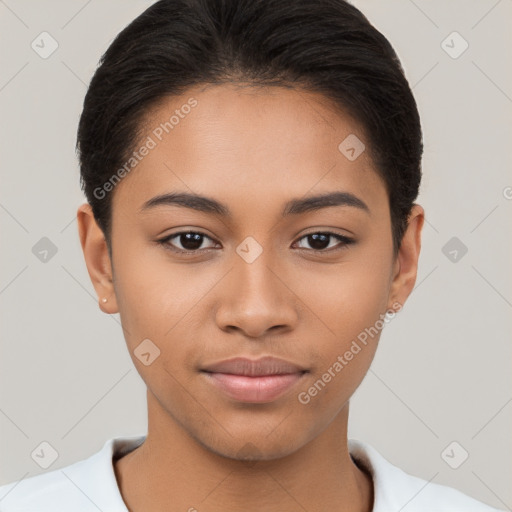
point(251, 168)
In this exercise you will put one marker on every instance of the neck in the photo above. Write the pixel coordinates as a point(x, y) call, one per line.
point(172, 467)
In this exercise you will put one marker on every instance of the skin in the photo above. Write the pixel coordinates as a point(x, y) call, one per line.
point(252, 149)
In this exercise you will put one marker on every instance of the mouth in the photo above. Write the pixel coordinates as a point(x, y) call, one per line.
point(255, 381)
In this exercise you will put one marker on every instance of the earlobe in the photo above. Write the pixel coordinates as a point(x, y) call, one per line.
point(97, 258)
point(407, 260)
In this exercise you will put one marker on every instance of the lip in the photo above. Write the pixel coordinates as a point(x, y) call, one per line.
point(256, 381)
point(267, 365)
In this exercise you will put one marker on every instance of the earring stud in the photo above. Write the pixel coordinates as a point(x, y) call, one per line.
point(104, 299)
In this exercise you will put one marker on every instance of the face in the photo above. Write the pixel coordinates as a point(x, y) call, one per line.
point(262, 272)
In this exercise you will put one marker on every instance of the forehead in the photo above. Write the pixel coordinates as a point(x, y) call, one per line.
point(266, 143)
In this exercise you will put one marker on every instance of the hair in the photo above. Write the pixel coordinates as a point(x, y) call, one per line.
point(325, 46)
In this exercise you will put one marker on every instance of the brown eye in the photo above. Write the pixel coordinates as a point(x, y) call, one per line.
point(190, 241)
point(320, 241)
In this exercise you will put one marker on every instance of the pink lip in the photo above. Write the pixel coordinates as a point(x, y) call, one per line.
point(258, 381)
point(253, 389)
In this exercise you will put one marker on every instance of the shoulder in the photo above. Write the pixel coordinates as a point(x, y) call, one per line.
point(53, 491)
point(45, 492)
point(396, 490)
point(84, 486)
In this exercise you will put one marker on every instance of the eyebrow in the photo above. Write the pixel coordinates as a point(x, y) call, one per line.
point(293, 207)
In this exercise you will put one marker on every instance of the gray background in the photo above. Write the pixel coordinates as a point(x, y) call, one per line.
point(442, 372)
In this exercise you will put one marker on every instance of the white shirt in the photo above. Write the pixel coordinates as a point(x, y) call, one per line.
point(90, 485)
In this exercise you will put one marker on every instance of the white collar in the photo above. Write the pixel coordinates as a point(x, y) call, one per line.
point(90, 485)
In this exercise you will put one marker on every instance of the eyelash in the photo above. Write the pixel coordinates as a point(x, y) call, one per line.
point(346, 241)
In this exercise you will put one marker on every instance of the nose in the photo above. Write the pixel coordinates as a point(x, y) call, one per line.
point(257, 298)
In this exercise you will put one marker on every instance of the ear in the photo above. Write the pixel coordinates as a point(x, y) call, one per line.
point(406, 263)
point(97, 258)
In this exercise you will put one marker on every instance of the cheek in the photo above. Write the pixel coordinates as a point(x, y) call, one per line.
point(161, 300)
point(154, 300)
point(344, 299)
point(348, 308)
point(148, 287)
point(346, 342)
